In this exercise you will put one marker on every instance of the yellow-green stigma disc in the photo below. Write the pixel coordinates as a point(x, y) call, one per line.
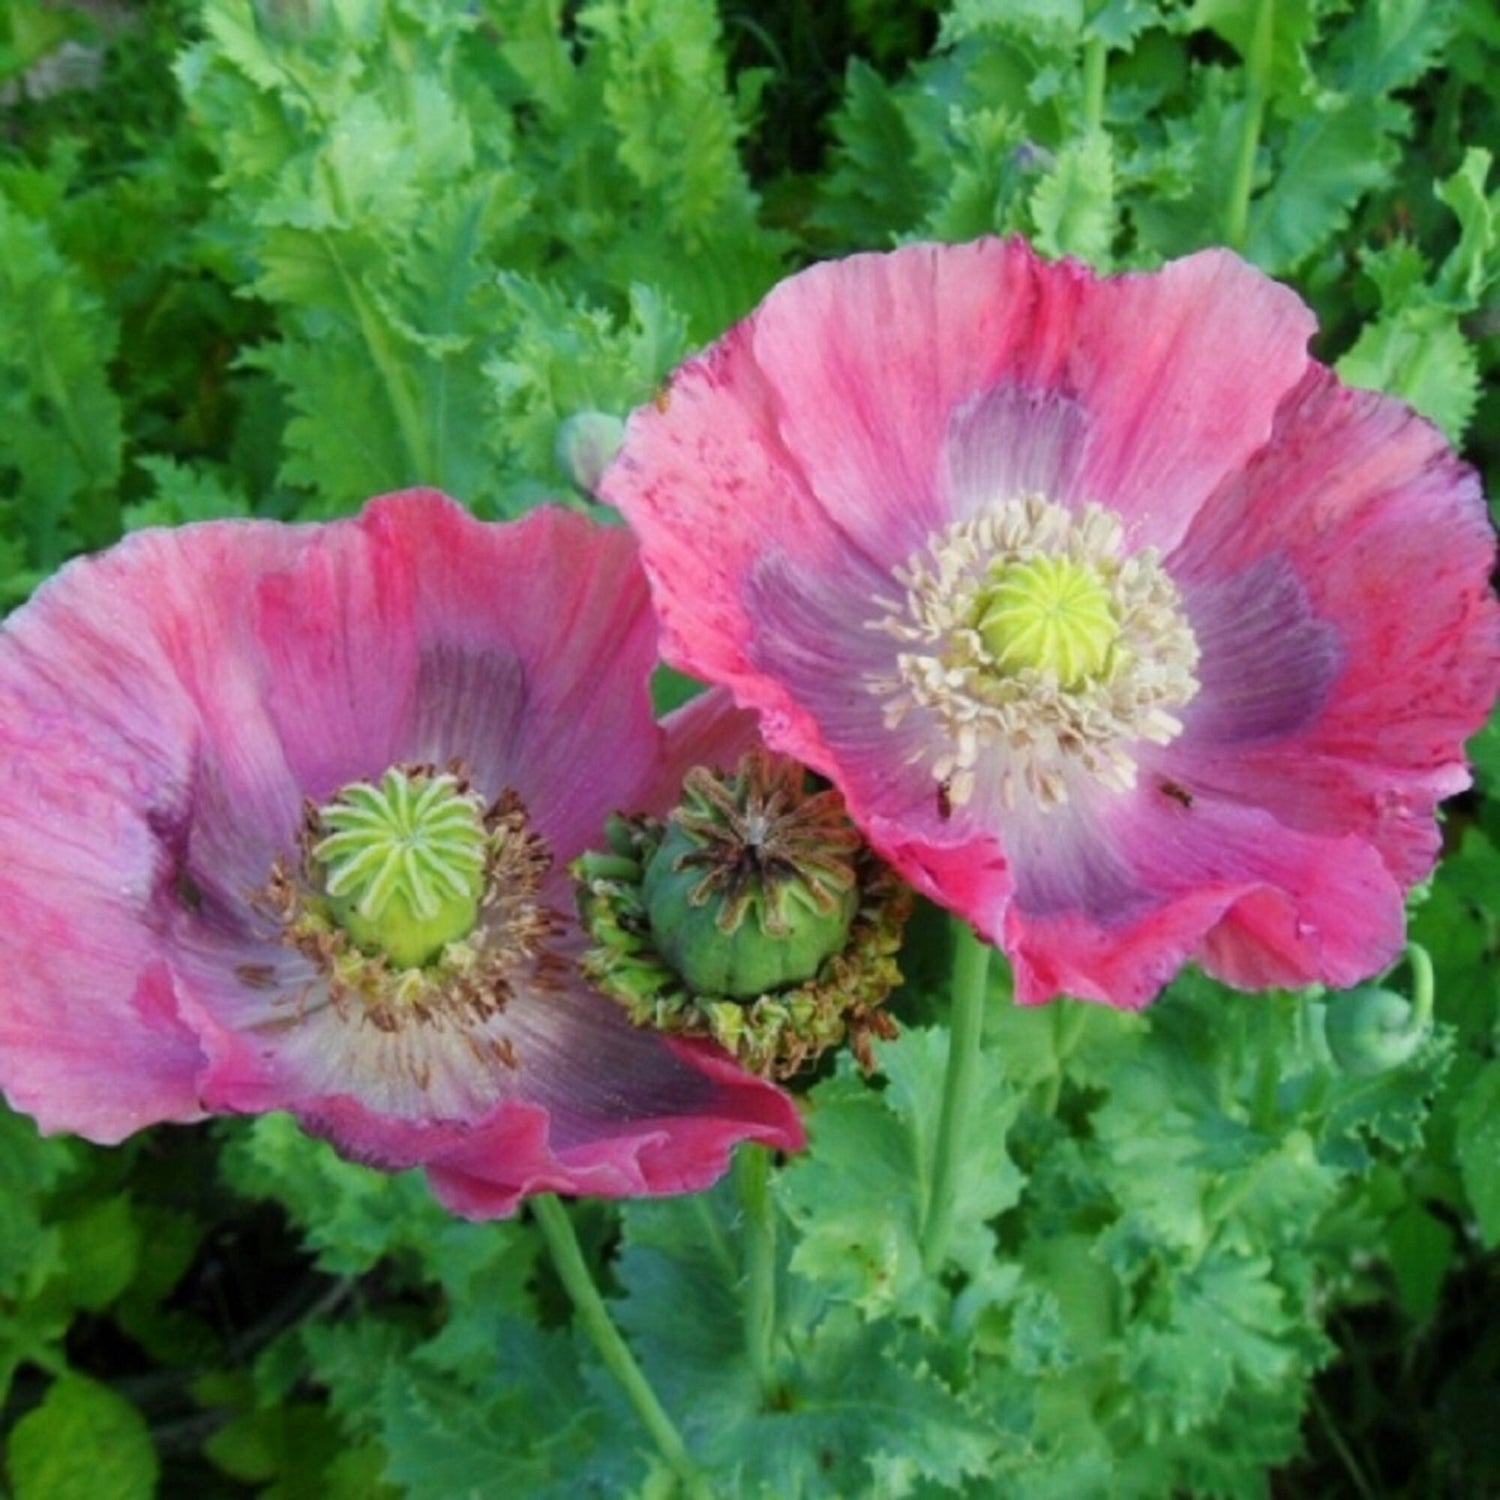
point(403, 863)
point(1050, 614)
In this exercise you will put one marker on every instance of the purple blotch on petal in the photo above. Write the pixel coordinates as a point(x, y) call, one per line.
point(472, 704)
point(1267, 664)
point(1065, 861)
point(822, 649)
point(1010, 441)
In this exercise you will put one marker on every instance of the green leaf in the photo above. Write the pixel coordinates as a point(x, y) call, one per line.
point(533, 45)
point(353, 1216)
point(60, 423)
point(1460, 927)
point(1421, 1251)
point(372, 222)
point(1187, 172)
point(82, 1443)
point(1073, 205)
point(352, 1358)
point(1474, 263)
point(1226, 1325)
point(1419, 354)
point(877, 190)
point(989, 163)
point(1342, 143)
point(30, 1165)
point(814, 1431)
point(875, 1148)
point(1389, 44)
point(563, 356)
point(1336, 154)
point(664, 96)
point(1478, 1149)
point(1293, 25)
point(1389, 1107)
point(286, 1446)
point(185, 493)
point(1040, 24)
point(101, 1247)
point(1118, 23)
point(533, 1433)
point(871, 1437)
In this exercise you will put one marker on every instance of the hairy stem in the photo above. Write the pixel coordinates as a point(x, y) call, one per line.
point(411, 423)
point(753, 1180)
point(1094, 63)
point(1421, 987)
point(1069, 1017)
point(1257, 90)
point(567, 1257)
point(971, 965)
point(1265, 1109)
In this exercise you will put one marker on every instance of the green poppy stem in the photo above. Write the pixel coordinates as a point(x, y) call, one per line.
point(753, 1181)
point(1257, 92)
point(971, 965)
point(1422, 987)
point(1095, 64)
point(567, 1257)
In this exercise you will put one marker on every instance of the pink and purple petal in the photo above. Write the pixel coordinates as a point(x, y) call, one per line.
point(168, 708)
point(1331, 557)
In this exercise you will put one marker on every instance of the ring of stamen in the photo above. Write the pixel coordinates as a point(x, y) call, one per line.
point(511, 940)
point(1037, 648)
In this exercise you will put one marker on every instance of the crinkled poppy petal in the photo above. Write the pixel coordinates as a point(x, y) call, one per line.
point(849, 382)
point(619, 1113)
point(334, 630)
point(110, 734)
point(1182, 372)
point(1361, 501)
point(801, 643)
point(1290, 575)
point(1109, 907)
point(872, 409)
point(170, 706)
point(511, 625)
point(646, 1155)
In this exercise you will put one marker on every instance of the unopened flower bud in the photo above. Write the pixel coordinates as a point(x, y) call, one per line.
point(585, 444)
point(1371, 1030)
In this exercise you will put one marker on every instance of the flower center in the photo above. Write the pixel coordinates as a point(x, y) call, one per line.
point(416, 903)
point(1036, 651)
point(403, 863)
point(1050, 614)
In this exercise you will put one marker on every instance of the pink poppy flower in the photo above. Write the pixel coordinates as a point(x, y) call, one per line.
point(200, 728)
point(1126, 630)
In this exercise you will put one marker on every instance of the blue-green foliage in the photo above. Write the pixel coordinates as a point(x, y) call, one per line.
point(1155, 1218)
point(60, 439)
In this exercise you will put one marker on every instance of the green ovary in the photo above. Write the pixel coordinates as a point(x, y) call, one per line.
point(744, 950)
point(1050, 614)
point(403, 863)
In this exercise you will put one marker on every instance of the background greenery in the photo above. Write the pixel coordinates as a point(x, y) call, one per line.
point(272, 258)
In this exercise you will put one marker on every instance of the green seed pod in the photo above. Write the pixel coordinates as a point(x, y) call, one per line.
point(753, 914)
point(1371, 1030)
point(740, 948)
point(405, 938)
point(403, 863)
